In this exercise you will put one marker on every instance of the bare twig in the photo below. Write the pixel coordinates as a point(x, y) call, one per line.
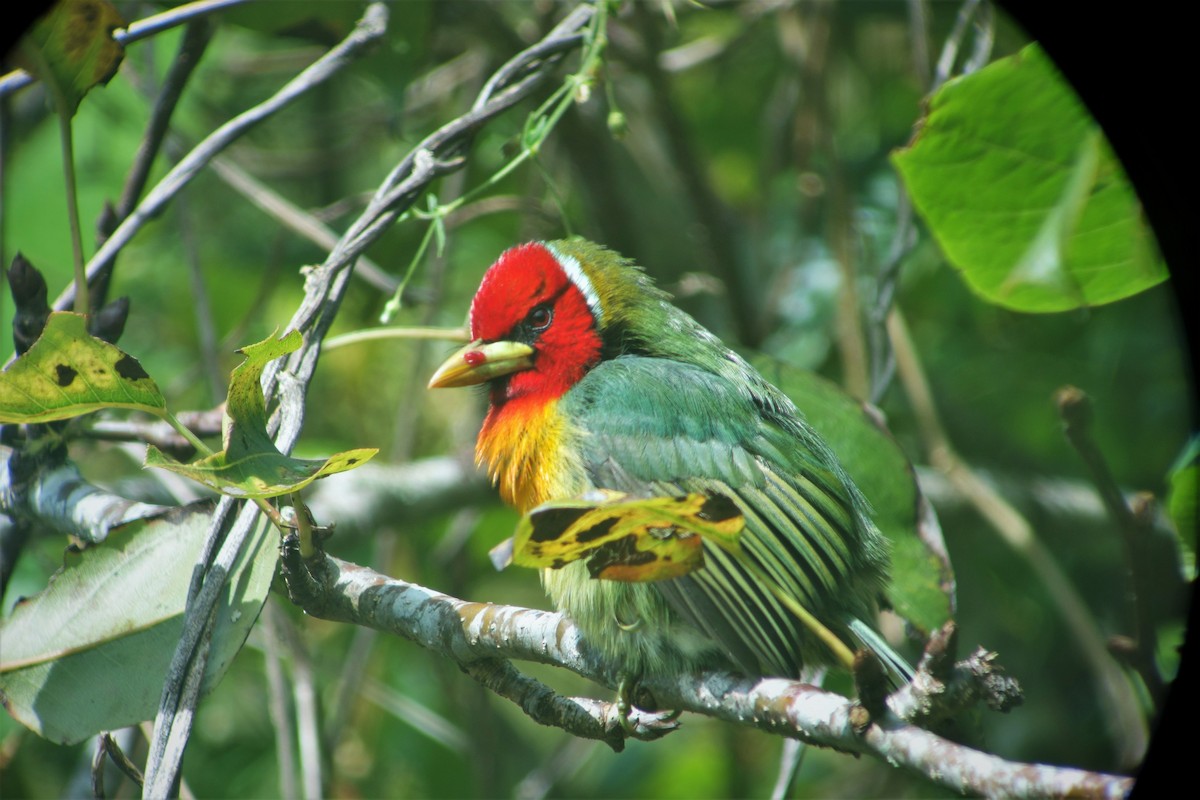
point(304, 701)
point(1126, 725)
point(296, 219)
point(1075, 409)
point(206, 329)
point(158, 433)
point(482, 638)
point(278, 703)
point(422, 719)
point(945, 64)
point(718, 244)
point(195, 41)
point(904, 236)
point(109, 746)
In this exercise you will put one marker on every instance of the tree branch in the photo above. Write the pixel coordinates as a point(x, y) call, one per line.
point(172, 17)
point(60, 500)
point(1135, 521)
point(482, 638)
point(1126, 725)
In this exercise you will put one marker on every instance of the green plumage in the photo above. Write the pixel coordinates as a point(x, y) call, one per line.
point(671, 410)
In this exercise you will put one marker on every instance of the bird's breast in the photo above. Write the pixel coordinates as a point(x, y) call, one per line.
point(530, 451)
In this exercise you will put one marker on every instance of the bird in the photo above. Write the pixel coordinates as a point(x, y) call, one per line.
point(598, 383)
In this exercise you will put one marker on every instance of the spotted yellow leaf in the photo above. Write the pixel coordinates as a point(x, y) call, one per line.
point(68, 372)
point(625, 538)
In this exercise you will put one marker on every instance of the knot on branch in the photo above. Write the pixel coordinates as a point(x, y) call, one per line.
point(943, 687)
point(308, 580)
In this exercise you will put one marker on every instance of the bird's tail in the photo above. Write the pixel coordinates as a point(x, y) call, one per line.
point(898, 668)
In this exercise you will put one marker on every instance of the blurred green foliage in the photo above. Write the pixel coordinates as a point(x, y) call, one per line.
point(756, 161)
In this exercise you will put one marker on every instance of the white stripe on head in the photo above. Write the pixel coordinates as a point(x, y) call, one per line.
point(583, 283)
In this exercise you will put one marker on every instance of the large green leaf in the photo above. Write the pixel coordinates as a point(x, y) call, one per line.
point(72, 47)
point(921, 586)
point(91, 651)
point(68, 372)
point(251, 465)
point(1023, 194)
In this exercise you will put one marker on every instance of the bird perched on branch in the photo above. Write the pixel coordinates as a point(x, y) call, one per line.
point(603, 395)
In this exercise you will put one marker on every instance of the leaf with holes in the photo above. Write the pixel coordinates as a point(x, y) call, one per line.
point(250, 465)
point(68, 372)
point(72, 48)
point(627, 539)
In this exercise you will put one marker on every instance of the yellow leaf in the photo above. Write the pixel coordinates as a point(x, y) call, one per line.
point(627, 539)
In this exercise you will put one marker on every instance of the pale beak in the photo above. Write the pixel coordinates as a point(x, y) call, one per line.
point(479, 362)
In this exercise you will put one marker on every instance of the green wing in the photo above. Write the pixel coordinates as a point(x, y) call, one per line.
point(658, 427)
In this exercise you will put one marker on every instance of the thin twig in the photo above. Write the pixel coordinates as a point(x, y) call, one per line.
point(945, 64)
point(295, 218)
point(304, 701)
point(718, 244)
point(421, 718)
point(1125, 722)
point(278, 702)
point(206, 329)
point(196, 37)
point(904, 236)
point(171, 18)
point(1075, 409)
point(110, 746)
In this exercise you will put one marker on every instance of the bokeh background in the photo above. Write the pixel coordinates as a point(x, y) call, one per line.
point(750, 175)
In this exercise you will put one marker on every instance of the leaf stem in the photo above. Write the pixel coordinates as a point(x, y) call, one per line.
point(183, 430)
point(304, 526)
point(68, 156)
point(64, 109)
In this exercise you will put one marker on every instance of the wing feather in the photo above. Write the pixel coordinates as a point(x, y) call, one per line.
point(652, 427)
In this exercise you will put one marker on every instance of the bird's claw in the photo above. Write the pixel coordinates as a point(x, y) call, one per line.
point(642, 725)
point(646, 726)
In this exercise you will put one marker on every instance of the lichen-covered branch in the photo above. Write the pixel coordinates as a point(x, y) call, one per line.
point(60, 499)
point(479, 637)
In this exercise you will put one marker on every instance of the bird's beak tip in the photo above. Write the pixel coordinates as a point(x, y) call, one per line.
point(478, 363)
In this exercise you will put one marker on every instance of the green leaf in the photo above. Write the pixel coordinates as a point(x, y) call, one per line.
point(72, 47)
point(624, 538)
point(1182, 505)
point(69, 372)
point(91, 651)
point(922, 580)
point(1023, 194)
point(250, 466)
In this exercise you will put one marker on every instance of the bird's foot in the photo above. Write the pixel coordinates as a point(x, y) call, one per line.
point(638, 724)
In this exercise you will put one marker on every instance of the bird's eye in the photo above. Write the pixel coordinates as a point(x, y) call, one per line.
point(539, 318)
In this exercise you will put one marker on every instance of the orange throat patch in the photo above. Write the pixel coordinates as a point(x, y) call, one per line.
point(529, 456)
